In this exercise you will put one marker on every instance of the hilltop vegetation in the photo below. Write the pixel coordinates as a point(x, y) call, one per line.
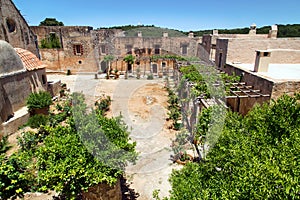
point(148, 31)
point(288, 30)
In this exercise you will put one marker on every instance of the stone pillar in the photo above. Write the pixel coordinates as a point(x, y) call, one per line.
point(252, 29)
point(165, 34)
point(273, 32)
point(191, 35)
point(262, 61)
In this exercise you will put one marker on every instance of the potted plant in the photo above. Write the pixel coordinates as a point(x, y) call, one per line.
point(117, 73)
point(184, 158)
point(39, 102)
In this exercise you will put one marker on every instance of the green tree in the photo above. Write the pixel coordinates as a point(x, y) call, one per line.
point(129, 59)
point(51, 22)
point(256, 157)
point(108, 59)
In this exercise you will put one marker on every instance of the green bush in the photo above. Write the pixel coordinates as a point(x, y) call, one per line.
point(40, 99)
point(4, 146)
point(256, 157)
point(37, 120)
point(150, 77)
point(28, 140)
point(15, 178)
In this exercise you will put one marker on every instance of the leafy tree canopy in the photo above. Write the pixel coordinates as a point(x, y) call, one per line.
point(256, 157)
point(51, 22)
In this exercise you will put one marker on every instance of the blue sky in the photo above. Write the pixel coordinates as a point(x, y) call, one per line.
point(175, 14)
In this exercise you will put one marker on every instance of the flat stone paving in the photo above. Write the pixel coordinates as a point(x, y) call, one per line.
point(153, 138)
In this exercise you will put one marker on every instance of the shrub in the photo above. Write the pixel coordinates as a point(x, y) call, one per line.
point(37, 100)
point(37, 120)
point(150, 77)
point(4, 146)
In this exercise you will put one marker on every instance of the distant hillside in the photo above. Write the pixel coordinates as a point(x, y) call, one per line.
point(148, 31)
point(289, 30)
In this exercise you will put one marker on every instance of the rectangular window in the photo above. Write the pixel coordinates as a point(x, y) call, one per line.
point(184, 49)
point(78, 49)
point(103, 49)
point(128, 48)
point(157, 49)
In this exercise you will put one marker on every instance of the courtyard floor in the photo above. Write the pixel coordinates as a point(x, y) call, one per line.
point(143, 105)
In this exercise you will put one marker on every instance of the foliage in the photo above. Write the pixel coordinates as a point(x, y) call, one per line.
point(108, 58)
point(129, 59)
point(36, 121)
point(178, 145)
point(288, 30)
point(204, 119)
point(150, 77)
point(28, 140)
point(4, 146)
point(15, 177)
point(69, 158)
point(51, 22)
point(256, 157)
point(155, 58)
point(40, 99)
point(50, 42)
point(174, 113)
point(65, 165)
point(103, 104)
point(148, 31)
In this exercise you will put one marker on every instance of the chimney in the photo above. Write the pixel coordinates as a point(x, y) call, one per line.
point(262, 61)
point(140, 34)
point(215, 32)
point(252, 29)
point(273, 32)
point(191, 34)
point(165, 34)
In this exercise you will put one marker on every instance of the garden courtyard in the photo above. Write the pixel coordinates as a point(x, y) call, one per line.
point(143, 105)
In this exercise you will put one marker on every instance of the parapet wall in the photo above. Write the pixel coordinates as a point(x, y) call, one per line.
point(14, 90)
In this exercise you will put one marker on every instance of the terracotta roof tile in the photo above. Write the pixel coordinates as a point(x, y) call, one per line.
point(30, 61)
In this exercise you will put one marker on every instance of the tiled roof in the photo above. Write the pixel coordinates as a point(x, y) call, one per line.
point(30, 61)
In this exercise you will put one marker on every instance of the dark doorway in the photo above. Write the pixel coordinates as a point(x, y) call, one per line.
point(220, 60)
point(154, 68)
point(103, 66)
point(129, 68)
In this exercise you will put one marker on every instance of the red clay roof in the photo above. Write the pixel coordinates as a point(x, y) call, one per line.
point(30, 61)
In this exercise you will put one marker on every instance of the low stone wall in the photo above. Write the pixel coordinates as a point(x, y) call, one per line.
point(104, 192)
point(288, 87)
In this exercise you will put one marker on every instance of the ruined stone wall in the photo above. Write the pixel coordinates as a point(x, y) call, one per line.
point(205, 47)
point(288, 87)
point(221, 53)
point(57, 60)
point(104, 192)
point(243, 50)
point(14, 28)
point(68, 57)
point(173, 45)
point(15, 88)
